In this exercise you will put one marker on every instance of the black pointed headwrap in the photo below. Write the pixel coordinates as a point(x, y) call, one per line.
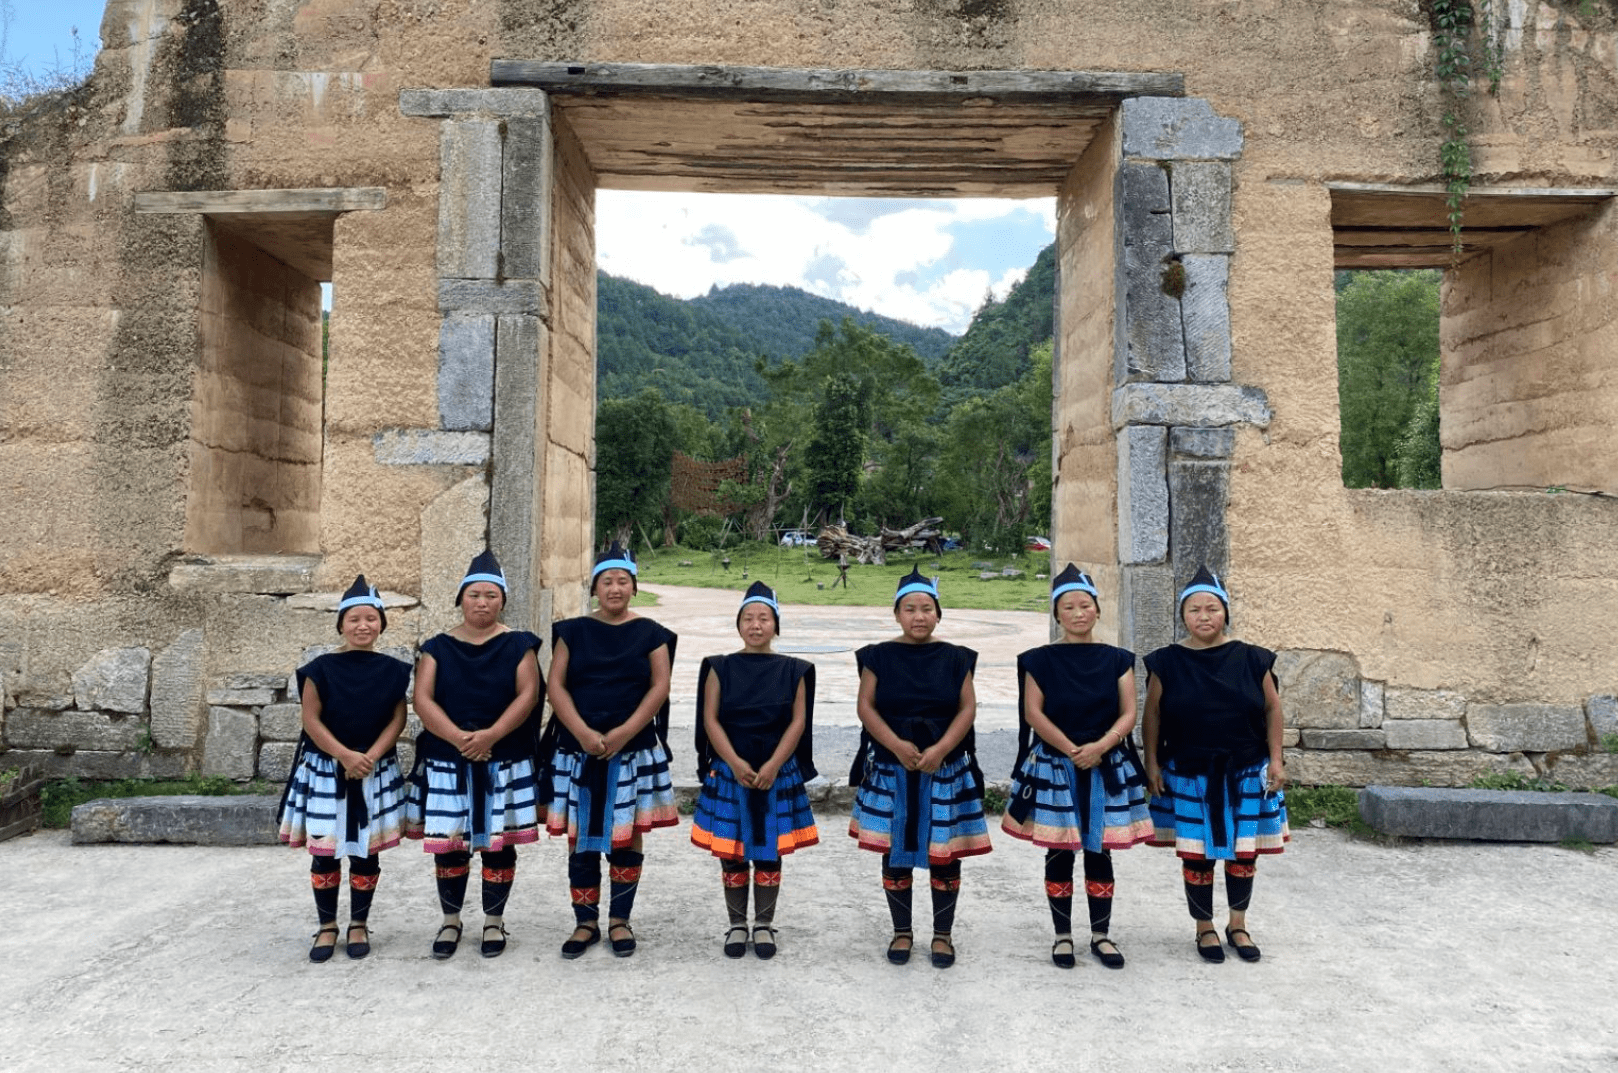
point(760, 593)
point(360, 594)
point(916, 582)
point(484, 568)
point(614, 558)
point(1072, 579)
point(1206, 580)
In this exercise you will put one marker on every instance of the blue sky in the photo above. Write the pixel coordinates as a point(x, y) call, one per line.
point(927, 262)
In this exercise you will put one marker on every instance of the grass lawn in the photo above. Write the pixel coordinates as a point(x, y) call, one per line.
point(801, 576)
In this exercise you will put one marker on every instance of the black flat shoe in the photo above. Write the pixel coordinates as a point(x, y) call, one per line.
point(622, 947)
point(321, 953)
point(1210, 951)
point(1060, 958)
point(493, 948)
point(357, 951)
point(1248, 951)
point(763, 949)
point(946, 958)
point(444, 949)
point(575, 948)
point(1112, 959)
point(736, 941)
point(897, 954)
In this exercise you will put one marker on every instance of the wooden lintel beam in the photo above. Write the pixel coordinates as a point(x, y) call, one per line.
point(230, 202)
point(808, 85)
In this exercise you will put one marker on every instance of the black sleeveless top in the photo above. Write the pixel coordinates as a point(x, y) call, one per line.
point(359, 692)
point(1080, 683)
point(474, 684)
point(918, 692)
point(1212, 701)
point(609, 672)
point(756, 691)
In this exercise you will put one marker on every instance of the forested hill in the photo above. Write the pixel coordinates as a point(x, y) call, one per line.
point(782, 321)
point(997, 347)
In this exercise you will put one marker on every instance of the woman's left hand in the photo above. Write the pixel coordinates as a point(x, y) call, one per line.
point(1278, 777)
point(1088, 755)
point(932, 758)
point(356, 765)
point(478, 745)
point(764, 776)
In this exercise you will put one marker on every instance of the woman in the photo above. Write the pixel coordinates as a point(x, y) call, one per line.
point(609, 767)
point(353, 711)
point(753, 755)
point(1213, 761)
point(1078, 786)
point(919, 801)
point(478, 690)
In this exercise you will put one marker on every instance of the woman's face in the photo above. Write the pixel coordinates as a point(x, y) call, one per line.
point(1077, 613)
point(917, 616)
point(481, 604)
point(756, 626)
point(614, 589)
point(361, 627)
point(1204, 616)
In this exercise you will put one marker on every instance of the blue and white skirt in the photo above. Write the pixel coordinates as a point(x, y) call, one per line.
point(1204, 820)
point(736, 823)
point(1055, 805)
point(457, 806)
point(601, 805)
point(919, 819)
point(336, 816)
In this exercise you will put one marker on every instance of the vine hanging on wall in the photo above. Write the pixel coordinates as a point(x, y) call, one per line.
point(1466, 38)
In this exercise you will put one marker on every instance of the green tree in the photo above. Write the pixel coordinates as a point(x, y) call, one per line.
point(837, 446)
point(635, 440)
point(1387, 364)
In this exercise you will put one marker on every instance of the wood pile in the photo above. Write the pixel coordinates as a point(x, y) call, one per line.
point(835, 541)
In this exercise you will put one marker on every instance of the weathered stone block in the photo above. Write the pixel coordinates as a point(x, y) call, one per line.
point(1603, 715)
point(1198, 493)
point(443, 103)
point(525, 198)
point(429, 447)
point(1146, 607)
point(1154, 336)
point(514, 492)
point(1400, 703)
point(256, 681)
point(1371, 704)
point(1203, 443)
point(1205, 317)
point(96, 764)
point(38, 698)
point(1534, 728)
point(466, 372)
point(1348, 767)
point(1178, 128)
point(1495, 815)
point(231, 746)
point(275, 760)
point(177, 692)
point(113, 680)
point(1343, 739)
point(470, 153)
point(281, 722)
point(241, 698)
point(1424, 734)
point(30, 728)
point(494, 296)
point(1201, 195)
point(247, 820)
point(1321, 691)
point(1143, 191)
point(1143, 495)
point(1290, 737)
point(275, 575)
point(328, 601)
point(1591, 771)
point(1208, 405)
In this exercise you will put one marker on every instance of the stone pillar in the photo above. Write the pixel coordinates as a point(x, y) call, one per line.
point(1174, 408)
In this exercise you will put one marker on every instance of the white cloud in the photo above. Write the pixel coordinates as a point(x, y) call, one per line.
point(896, 258)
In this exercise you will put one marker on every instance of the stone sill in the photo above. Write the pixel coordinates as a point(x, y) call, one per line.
point(271, 575)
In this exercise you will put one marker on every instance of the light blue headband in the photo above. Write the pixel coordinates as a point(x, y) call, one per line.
point(1192, 590)
point(370, 599)
point(762, 600)
point(917, 586)
point(614, 564)
point(496, 579)
point(1072, 586)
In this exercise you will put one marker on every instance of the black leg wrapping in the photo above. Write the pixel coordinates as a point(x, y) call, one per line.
point(623, 875)
point(766, 889)
point(451, 869)
point(499, 872)
point(898, 884)
point(1059, 888)
point(946, 884)
point(734, 876)
point(584, 881)
point(362, 879)
point(1098, 887)
point(1198, 876)
point(325, 875)
point(1239, 884)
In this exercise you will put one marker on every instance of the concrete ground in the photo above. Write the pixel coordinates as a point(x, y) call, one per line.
point(1439, 956)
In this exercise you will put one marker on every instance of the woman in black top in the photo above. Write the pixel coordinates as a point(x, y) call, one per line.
point(478, 691)
point(1213, 761)
point(345, 794)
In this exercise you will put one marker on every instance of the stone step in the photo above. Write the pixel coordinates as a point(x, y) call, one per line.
point(188, 819)
point(1493, 815)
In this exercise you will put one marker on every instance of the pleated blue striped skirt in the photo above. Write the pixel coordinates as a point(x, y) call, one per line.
point(1055, 805)
point(335, 816)
point(462, 805)
point(1236, 821)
